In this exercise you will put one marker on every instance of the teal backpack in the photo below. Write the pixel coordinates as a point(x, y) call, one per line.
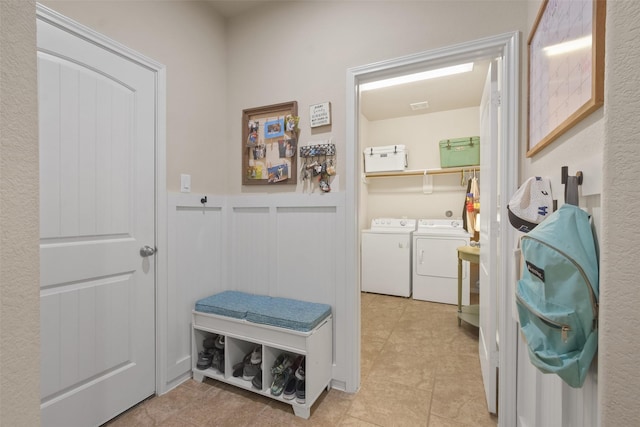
point(557, 297)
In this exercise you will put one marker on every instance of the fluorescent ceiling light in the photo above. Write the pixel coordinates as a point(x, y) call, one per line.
point(568, 46)
point(432, 74)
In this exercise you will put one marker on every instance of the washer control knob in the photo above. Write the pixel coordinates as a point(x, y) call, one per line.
point(403, 222)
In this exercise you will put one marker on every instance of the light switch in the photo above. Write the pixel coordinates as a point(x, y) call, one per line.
point(185, 183)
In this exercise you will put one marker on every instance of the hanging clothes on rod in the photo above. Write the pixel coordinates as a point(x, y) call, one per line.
point(473, 198)
point(464, 206)
point(475, 187)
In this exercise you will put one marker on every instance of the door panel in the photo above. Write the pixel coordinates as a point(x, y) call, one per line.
point(489, 238)
point(97, 154)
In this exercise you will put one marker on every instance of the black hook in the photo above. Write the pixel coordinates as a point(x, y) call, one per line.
point(571, 184)
point(203, 200)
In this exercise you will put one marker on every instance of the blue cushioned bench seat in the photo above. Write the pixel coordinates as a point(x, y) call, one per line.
point(275, 311)
point(227, 303)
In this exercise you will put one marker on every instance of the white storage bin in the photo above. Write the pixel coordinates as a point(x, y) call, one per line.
point(386, 158)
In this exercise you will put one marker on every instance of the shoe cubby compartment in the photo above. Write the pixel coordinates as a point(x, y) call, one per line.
point(198, 339)
point(242, 336)
point(236, 350)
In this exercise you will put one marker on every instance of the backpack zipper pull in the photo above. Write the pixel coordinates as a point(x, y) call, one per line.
point(565, 333)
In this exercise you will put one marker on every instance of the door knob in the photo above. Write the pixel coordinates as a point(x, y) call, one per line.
point(147, 250)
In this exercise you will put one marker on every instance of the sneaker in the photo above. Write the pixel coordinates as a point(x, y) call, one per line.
point(257, 380)
point(249, 371)
point(256, 355)
point(281, 364)
point(205, 358)
point(300, 370)
point(300, 391)
point(209, 342)
point(219, 343)
point(279, 382)
point(290, 388)
point(218, 360)
point(300, 383)
point(238, 368)
point(297, 363)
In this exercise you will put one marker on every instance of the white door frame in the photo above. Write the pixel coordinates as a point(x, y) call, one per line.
point(508, 46)
point(49, 15)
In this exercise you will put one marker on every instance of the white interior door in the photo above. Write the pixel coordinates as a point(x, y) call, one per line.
point(489, 236)
point(97, 155)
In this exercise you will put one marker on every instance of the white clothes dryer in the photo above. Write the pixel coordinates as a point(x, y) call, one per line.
point(386, 256)
point(435, 264)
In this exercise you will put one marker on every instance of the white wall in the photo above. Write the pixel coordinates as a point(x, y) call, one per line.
point(619, 293)
point(404, 196)
point(19, 201)
point(188, 37)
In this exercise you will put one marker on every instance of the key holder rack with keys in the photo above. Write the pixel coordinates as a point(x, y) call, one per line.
point(318, 162)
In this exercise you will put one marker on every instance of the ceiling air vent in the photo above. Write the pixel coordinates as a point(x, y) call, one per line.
point(419, 105)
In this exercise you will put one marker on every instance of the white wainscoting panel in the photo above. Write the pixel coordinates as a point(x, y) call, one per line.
point(545, 400)
point(304, 257)
point(196, 239)
point(251, 240)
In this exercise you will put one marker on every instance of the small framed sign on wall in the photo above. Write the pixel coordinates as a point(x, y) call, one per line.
point(320, 114)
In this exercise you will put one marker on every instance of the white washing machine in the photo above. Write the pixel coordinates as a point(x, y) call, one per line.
point(435, 264)
point(386, 256)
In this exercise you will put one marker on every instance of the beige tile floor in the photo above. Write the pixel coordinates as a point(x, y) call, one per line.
point(419, 368)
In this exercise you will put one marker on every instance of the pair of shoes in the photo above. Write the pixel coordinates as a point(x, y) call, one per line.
point(205, 358)
point(253, 366)
point(300, 383)
point(281, 371)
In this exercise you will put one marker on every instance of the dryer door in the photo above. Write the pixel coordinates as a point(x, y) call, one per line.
point(436, 269)
point(437, 256)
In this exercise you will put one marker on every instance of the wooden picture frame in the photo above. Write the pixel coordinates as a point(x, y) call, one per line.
point(566, 68)
point(269, 144)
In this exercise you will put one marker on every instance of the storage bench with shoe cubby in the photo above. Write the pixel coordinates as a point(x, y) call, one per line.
point(286, 335)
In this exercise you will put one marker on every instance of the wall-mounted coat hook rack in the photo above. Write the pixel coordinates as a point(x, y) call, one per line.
point(571, 184)
point(203, 200)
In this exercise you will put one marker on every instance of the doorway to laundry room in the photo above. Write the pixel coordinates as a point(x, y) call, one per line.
point(412, 118)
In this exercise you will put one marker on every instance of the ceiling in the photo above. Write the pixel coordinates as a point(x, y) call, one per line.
point(442, 94)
